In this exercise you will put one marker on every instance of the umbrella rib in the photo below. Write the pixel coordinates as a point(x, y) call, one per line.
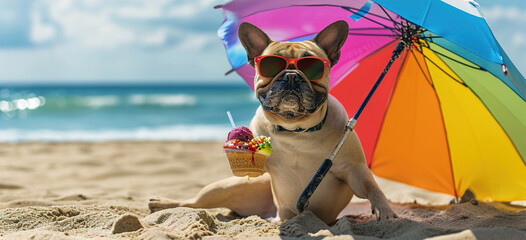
point(356, 9)
point(374, 21)
point(457, 61)
point(444, 71)
point(375, 35)
point(431, 37)
point(371, 28)
point(421, 69)
point(383, 9)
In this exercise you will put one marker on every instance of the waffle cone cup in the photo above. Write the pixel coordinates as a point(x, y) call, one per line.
point(245, 163)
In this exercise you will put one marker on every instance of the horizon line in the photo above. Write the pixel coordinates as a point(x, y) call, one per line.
point(120, 83)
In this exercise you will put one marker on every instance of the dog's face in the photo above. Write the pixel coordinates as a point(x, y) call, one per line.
point(289, 95)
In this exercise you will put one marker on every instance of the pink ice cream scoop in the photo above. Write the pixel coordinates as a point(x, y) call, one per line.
point(241, 133)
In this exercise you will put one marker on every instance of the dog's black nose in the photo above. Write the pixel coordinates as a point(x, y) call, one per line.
point(291, 77)
point(290, 81)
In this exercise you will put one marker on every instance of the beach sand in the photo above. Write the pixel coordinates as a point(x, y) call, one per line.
point(101, 191)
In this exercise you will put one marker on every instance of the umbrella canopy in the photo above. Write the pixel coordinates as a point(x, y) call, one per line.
point(449, 116)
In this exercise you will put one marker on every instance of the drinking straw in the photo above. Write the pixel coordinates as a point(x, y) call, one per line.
point(231, 119)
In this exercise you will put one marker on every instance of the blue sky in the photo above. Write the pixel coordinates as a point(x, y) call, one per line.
point(72, 41)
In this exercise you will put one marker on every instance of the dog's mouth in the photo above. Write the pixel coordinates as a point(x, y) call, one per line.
point(291, 96)
point(288, 105)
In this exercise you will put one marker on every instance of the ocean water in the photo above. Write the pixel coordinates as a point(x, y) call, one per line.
point(105, 113)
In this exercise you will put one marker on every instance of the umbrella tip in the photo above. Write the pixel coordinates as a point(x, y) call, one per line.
point(229, 71)
point(475, 4)
point(218, 6)
point(504, 70)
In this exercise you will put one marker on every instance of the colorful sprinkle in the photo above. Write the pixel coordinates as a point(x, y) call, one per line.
point(259, 144)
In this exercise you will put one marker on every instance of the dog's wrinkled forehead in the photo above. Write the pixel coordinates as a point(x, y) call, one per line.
point(295, 49)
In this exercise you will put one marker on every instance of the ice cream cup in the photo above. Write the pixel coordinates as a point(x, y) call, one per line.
point(245, 162)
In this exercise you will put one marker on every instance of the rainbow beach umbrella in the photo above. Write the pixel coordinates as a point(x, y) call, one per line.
point(450, 113)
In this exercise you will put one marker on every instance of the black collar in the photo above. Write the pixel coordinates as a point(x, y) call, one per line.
point(301, 130)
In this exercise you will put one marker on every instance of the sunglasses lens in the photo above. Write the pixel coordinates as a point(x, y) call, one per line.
point(270, 66)
point(313, 68)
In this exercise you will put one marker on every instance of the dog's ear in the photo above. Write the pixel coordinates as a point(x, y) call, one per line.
point(332, 38)
point(253, 39)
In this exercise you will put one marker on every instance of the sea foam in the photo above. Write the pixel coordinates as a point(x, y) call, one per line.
point(163, 99)
point(162, 133)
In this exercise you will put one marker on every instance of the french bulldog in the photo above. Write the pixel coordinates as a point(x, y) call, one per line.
point(304, 123)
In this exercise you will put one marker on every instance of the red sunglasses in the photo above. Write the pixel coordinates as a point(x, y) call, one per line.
point(313, 67)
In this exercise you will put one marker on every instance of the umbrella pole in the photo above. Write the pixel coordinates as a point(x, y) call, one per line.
point(326, 165)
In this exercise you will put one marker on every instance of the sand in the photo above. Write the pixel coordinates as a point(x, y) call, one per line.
point(101, 190)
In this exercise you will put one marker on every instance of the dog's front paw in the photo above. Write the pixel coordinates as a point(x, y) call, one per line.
point(158, 204)
point(383, 212)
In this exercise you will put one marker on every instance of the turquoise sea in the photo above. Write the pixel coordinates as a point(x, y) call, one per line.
point(113, 112)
